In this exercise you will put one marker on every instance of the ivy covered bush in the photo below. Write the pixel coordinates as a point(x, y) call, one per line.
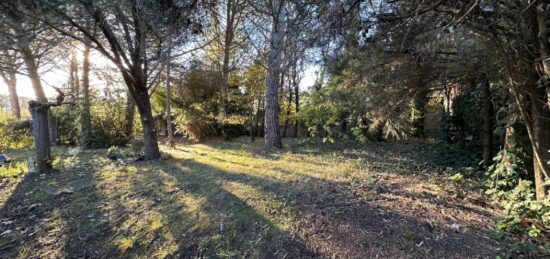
point(524, 227)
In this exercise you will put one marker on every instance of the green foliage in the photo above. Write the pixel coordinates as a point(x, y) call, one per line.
point(108, 123)
point(193, 122)
point(13, 169)
point(196, 101)
point(505, 174)
point(14, 134)
point(524, 217)
point(334, 106)
point(464, 126)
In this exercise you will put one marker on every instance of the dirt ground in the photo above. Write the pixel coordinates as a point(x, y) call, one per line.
point(219, 200)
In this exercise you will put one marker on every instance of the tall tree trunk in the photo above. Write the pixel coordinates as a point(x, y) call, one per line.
point(74, 77)
point(288, 108)
point(297, 106)
point(272, 136)
point(540, 114)
point(129, 115)
point(541, 140)
point(169, 131)
point(86, 116)
point(261, 114)
point(543, 13)
point(32, 70)
point(150, 142)
point(228, 43)
point(488, 124)
point(11, 81)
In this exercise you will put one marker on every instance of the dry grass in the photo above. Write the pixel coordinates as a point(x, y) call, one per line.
point(232, 200)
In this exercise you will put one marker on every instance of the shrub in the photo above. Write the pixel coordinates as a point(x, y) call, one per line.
point(524, 217)
point(193, 122)
point(108, 124)
point(13, 169)
point(14, 134)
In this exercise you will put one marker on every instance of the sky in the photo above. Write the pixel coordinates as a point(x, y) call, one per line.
point(59, 77)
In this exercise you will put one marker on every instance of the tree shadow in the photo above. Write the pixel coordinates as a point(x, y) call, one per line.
point(55, 215)
point(185, 208)
point(332, 221)
point(242, 230)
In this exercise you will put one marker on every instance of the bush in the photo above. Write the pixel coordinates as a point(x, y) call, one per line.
point(108, 124)
point(464, 126)
point(14, 134)
point(13, 169)
point(194, 123)
point(524, 217)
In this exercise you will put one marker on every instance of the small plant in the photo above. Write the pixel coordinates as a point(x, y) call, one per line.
point(504, 175)
point(458, 183)
point(13, 169)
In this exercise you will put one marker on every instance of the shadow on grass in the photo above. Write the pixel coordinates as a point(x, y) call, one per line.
point(146, 212)
point(184, 208)
point(55, 215)
point(225, 226)
point(331, 221)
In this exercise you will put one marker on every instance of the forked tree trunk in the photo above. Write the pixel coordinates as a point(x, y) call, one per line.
point(38, 110)
point(488, 124)
point(272, 136)
point(41, 134)
point(86, 116)
point(228, 44)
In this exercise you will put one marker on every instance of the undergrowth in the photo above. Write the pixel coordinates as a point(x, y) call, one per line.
point(523, 229)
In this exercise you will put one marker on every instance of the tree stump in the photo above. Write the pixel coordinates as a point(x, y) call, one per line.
point(40, 129)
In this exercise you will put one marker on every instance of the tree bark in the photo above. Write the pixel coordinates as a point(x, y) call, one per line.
point(150, 142)
point(40, 129)
point(129, 115)
point(488, 124)
point(32, 70)
point(540, 112)
point(272, 136)
point(74, 78)
point(169, 131)
point(39, 112)
point(230, 15)
point(86, 116)
point(11, 81)
point(288, 108)
point(297, 106)
point(53, 131)
point(541, 140)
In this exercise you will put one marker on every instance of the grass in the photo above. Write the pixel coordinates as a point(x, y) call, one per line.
point(221, 200)
point(13, 170)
